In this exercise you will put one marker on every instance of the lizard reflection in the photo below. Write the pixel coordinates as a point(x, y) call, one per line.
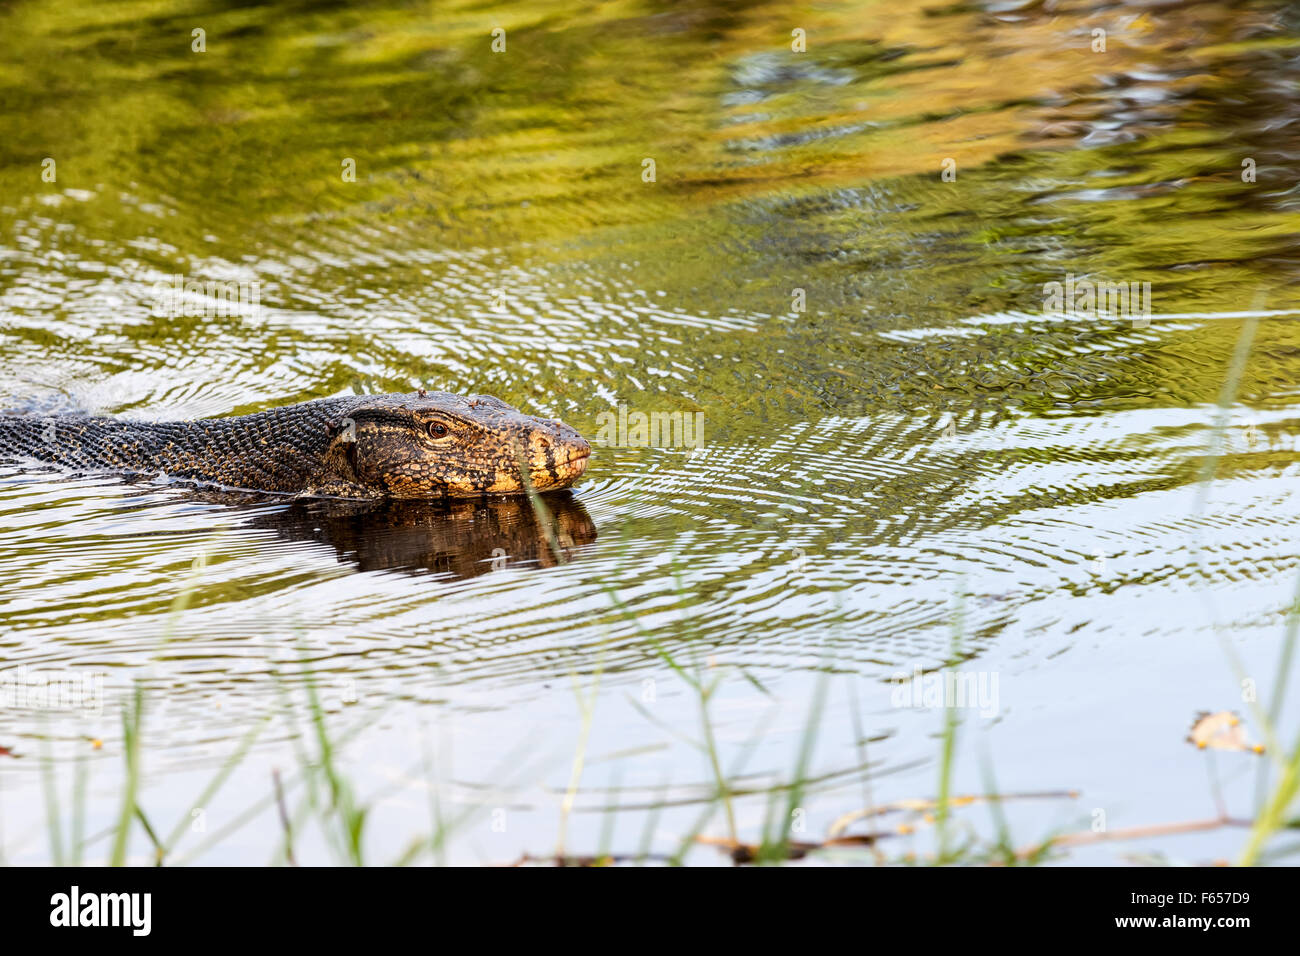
point(461, 537)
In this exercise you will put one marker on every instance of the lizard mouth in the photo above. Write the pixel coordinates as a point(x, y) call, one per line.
point(561, 474)
point(573, 467)
point(576, 454)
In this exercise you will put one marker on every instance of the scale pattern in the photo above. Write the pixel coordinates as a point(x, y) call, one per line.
point(364, 446)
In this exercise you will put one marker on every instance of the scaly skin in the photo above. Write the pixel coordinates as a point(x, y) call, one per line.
point(417, 445)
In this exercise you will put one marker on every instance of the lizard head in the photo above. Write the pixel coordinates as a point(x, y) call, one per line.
point(434, 445)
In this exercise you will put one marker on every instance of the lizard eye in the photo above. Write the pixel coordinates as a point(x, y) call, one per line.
point(437, 430)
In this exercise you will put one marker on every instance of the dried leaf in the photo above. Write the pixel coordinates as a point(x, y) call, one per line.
point(1221, 731)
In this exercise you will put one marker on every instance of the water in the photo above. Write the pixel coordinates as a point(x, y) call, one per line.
point(908, 461)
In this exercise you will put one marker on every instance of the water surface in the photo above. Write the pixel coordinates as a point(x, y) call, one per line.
point(908, 462)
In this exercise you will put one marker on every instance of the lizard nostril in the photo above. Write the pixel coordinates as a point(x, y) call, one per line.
point(544, 442)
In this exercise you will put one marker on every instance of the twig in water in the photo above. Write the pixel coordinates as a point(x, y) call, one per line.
point(1130, 833)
